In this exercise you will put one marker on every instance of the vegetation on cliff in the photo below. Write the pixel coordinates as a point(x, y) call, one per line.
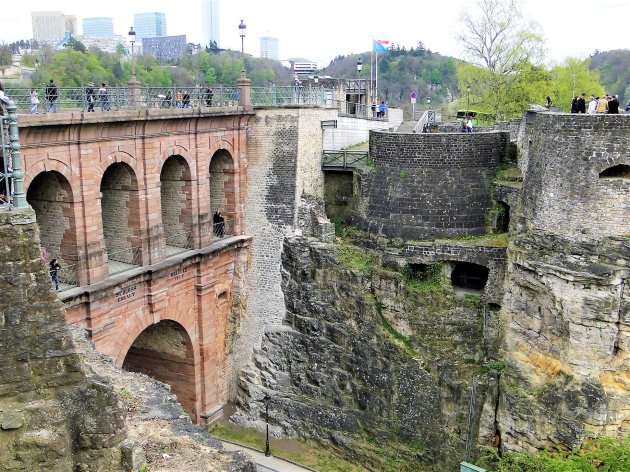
point(596, 455)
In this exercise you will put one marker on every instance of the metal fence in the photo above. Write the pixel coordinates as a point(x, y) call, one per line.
point(124, 97)
point(5, 163)
point(343, 159)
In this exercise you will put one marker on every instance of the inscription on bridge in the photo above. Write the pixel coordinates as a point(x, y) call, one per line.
point(178, 274)
point(126, 293)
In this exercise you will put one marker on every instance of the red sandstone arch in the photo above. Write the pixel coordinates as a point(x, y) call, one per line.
point(222, 184)
point(120, 214)
point(180, 151)
point(165, 351)
point(50, 165)
point(176, 198)
point(50, 194)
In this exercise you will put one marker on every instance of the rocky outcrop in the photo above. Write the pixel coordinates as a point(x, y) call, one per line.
point(567, 342)
point(53, 414)
point(377, 371)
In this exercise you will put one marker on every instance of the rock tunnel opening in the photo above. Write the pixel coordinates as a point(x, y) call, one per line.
point(503, 217)
point(164, 351)
point(469, 276)
point(620, 171)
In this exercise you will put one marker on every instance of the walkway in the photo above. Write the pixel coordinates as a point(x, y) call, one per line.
point(267, 464)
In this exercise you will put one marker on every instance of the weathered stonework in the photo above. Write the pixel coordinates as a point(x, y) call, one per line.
point(432, 184)
point(53, 416)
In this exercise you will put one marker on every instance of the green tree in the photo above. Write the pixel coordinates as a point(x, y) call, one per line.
point(506, 52)
point(5, 57)
point(573, 77)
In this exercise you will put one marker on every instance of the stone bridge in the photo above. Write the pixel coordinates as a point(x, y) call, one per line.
point(125, 203)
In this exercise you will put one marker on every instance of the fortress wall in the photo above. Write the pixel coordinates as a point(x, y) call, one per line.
point(433, 185)
point(563, 190)
point(283, 163)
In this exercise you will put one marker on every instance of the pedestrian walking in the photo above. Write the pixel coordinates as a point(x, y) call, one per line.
point(54, 268)
point(90, 97)
point(469, 124)
point(104, 97)
point(52, 94)
point(34, 102)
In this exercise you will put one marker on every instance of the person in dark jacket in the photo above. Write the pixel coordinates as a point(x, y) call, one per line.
point(613, 105)
point(52, 94)
point(90, 96)
point(574, 104)
point(581, 104)
point(53, 268)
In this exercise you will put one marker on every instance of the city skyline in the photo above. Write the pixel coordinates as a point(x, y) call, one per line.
point(337, 28)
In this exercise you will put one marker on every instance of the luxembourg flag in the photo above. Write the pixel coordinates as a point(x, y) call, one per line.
point(379, 45)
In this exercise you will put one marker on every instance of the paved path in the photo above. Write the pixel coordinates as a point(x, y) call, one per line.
point(267, 464)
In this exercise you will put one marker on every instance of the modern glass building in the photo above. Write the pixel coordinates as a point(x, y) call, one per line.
point(149, 25)
point(210, 21)
point(269, 48)
point(98, 26)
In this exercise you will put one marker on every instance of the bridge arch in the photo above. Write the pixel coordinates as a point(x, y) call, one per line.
point(222, 184)
point(165, 351)
point(468, 276)
point(51, 196)
point(620, 171)
point(176, 198)
point(120, 214)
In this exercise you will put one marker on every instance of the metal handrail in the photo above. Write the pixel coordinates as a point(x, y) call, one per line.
point(343, 158)
point(196, 97)
point(181, 240)
point(219, 230)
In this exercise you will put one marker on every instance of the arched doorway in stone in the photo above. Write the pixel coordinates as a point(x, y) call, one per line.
point(50, 195)
point(164, 351)
point(222, 185)
point(176, 203)
point(621, 171)
point(120, 213)
point(469, 277)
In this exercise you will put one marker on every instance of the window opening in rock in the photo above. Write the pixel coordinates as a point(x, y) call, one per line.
point(469, 276)
point(620, 171)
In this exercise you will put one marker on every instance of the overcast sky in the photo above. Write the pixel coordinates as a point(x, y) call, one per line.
point(323, 29)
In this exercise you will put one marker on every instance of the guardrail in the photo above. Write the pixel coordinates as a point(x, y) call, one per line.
point(343, 159)
point(123, 97)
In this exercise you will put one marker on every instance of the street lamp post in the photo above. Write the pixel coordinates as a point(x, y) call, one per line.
point(241, 30)
point(359, 66)
point(132, 40)
point(467, 99)
point(267, 401)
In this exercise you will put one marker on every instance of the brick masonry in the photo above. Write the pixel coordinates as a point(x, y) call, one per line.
point(432, 184)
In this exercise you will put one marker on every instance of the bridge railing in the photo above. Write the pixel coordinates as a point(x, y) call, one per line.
point(219, 230)
point(196, 97)
point(343, 159)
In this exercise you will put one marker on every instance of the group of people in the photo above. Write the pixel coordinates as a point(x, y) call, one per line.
point(467, 124)
point(51, 95)
point(380, 110)
point(605, 104)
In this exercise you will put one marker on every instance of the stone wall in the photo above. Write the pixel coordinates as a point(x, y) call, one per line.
point(52, 415)
point(565, 194)
point(432, 185)
point(283, 163)
point(566, 309)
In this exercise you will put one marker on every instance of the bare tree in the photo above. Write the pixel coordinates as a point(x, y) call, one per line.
point(496, 36)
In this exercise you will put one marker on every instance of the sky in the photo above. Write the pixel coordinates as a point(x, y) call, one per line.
point(321, 30)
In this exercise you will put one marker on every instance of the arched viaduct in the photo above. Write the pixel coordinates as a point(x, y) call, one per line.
point(125, 202)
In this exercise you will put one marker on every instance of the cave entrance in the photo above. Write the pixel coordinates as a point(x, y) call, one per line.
point(620, 171)
point(469, 276)
point(503, 217)
point(164, 351)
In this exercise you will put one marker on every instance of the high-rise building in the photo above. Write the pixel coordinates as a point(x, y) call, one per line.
point(51, 26)
point(269, 48)
point(98, 26)
point(165, 48)
point(149, 25)
point(210, 21)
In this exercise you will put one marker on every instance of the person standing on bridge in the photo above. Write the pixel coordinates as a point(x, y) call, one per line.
point(54, 268)
point(52, 93)
point(90, 97)
point(34, 102)
point(102, 94)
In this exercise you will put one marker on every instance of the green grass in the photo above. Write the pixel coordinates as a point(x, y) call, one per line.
point(399, 338)
point(508, 172)
point(354, 258)
point(489, 239)
point(307, 453)
point(431, 280)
